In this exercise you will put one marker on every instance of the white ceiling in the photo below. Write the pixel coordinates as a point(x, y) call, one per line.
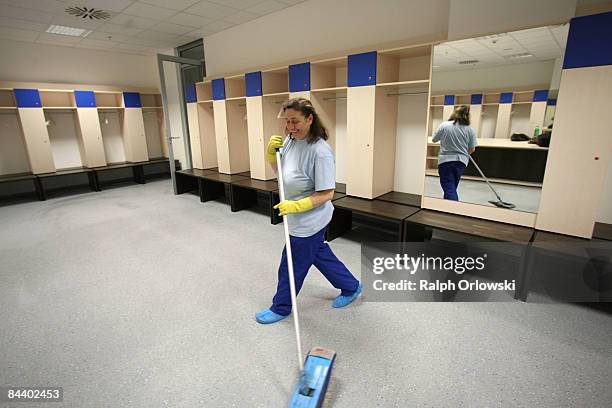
point(543, 43)
point(142, 27)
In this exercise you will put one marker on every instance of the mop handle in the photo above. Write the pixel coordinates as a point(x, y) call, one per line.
point(484, 178)
point(281, 191)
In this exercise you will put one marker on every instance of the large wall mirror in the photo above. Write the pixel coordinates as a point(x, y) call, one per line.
point(509, 83)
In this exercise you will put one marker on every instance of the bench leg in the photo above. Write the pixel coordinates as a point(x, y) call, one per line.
point(522, 284)
point(185, 183)
point(40, 191)
point(93, 185)
point(210, 190)
point(138, 174)
point(341, 222)
point(242, 198)
point(416, 233)
point(274, 217)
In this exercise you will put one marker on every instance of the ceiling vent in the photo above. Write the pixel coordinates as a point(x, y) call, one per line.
point(468, 62)
point(88, 13)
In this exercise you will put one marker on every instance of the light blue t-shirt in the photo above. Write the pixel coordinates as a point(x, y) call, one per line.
point(308, 167)
point(455, 140)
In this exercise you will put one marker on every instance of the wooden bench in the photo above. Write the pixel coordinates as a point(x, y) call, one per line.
point(91, 176)
point(189, 179)
point(244, 195)
point(342, 219)
point(24, 177)
point(138, 172)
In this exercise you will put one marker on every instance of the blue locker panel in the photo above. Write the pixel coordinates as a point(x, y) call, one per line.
point(299, 77)
point(27, 98)
point(190, 94)
point(132, 100)
point(218, 89)
point(589, 43)
point(362, 69)
point(540, 95)
point(449, 99)
point(85, 99)
point(476, 99)
point(253, 83)
point(505, 97)
point(551, 102)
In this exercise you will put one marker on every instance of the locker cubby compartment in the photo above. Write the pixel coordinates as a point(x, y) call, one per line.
point(231, 132)
point(111, 123)
point(275, 81)
point(13, 152)
point(201, 120)
point(463, 99)
point(437, 100)
point(488, 121)
point(520, 119)
point(491, 98)
point(153, 119)
point(522, 97)
point(273, 121)
point(410, 64)
point(65, 139)
point(109, 99)
point(203, 91)
point(150, 100)
point(328, 74)
point(436, 117)
point(331, 106)
point(57, 99)
point(7, 99)
point(235, 87)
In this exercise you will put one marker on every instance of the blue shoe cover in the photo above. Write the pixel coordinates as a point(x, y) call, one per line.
point(342, 301)
point(267, 316)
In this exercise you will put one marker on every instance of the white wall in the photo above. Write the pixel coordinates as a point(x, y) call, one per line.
point(472, 18)
point(605, 208)
point(30, 62)
point(510, 76)
point(318, 27)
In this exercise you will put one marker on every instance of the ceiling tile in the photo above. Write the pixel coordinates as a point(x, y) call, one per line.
point(25, 14)
point(170, 28)
point(108, 5)
point(218, 25)
point(189, 20)
point(156, 35)
point(145, 42)
point(149, 11)
point(17, 34)
point(291, 2)
point(48, 6)
point(267, 7)
point(89, 42)
point(117, 29)
point(237, 4)
point(241, 17)
point(57, 39)
point(136, 48)
point(129, 21)
point(23, 24)
point(174, 4)
point(100, 35)
point(210, 10)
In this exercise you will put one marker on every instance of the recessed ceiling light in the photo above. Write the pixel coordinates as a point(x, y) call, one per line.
point(70, 31)
point(521, 55)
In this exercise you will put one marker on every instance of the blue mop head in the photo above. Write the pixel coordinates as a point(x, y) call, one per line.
point(310, 391)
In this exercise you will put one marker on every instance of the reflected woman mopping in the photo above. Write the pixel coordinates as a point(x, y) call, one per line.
point(457, 142)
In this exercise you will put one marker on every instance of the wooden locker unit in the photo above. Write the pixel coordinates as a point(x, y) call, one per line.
point(275, 81)
point(502, 127)
point(202, 132)
point(575, 177)
point(231, 135)
point(37, 141)
point(194, 135)
point(91, 137)
point(134, 138)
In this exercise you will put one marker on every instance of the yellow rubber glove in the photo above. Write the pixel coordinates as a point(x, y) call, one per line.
point(291, 207)
point(274, 143)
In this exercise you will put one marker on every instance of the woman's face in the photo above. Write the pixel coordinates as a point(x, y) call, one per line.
point(297, 124)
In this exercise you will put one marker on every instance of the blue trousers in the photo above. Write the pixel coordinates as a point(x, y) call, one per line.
point(450, 174)
point(306, 252)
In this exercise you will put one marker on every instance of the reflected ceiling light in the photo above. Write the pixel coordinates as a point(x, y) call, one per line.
point(520, 55)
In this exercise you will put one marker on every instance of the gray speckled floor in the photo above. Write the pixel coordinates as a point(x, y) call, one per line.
point(133, 297)
point(525, 198)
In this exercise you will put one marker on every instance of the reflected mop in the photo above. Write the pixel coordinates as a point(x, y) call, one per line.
point(499, 203)
point(316, 371)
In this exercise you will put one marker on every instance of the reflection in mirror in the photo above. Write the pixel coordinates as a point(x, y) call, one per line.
point(507, 83)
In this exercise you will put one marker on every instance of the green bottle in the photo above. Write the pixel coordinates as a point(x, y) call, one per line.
point(537, 131)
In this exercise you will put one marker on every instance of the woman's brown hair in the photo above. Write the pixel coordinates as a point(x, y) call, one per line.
point(461, 115)
point(304, 106)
